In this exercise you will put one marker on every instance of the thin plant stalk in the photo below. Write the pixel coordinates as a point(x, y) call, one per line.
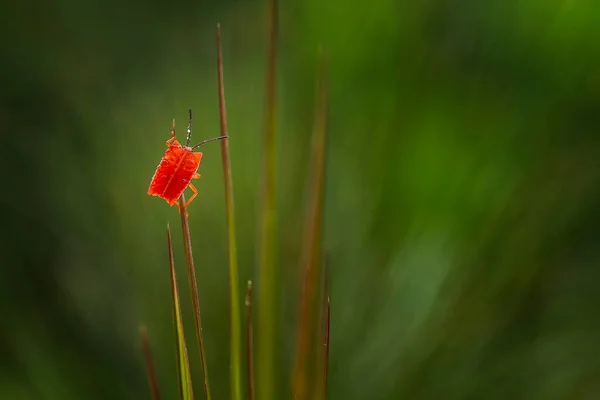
point(321, 349)
point(249, 342)
point(267, 248)
point(326, 361)
point(312, 259)
point(234, 300)
point(187, 244)
point(152, 380)
point(327, 326)
point(184, 378)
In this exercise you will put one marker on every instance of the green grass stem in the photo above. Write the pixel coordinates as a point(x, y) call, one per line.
point(267, 248)
point(249, 342)
point(187, 244)
point(234, 300)
point(184, 377)
point(326, 360)
point(321, 350)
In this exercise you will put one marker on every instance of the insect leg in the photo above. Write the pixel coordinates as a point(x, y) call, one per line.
point(193, 196)
point(179, 206)
point(196, 176)
point(170, 141)
point(172, 134)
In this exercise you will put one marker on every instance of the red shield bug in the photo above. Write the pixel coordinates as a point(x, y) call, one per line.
point(177, 168)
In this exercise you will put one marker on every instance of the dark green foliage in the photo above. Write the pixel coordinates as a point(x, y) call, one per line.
point(462, 201)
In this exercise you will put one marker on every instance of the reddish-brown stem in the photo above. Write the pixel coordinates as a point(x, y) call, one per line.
point(152, 380)
point(268, 271)
point(309, 330)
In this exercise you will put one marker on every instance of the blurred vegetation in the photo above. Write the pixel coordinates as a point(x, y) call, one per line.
point(463, 193)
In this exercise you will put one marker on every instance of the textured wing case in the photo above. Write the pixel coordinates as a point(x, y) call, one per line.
point(174, 173)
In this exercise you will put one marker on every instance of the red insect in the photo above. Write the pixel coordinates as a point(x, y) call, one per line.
point(177, 168)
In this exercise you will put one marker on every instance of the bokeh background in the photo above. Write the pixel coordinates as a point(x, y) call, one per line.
point(463, 192)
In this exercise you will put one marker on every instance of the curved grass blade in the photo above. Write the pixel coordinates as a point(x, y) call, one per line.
point(152, 380)
point(234, 315)
point(183, 366)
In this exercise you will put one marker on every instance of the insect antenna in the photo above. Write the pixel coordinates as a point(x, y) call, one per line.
point(189, 128)
point(189, 134)
point(210, 140)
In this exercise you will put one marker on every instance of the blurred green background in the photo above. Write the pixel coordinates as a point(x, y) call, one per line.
point(463, 193)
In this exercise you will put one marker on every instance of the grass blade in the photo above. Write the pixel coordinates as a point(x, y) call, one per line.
point(267, 250)
point(183, 367)
point(312, 253)
point(152, 380)
point(321, 349)
point(187, 244)
point(326, 362)
point(234, 315)
point(249, 342)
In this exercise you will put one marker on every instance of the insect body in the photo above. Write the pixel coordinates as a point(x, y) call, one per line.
point(177, 168)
